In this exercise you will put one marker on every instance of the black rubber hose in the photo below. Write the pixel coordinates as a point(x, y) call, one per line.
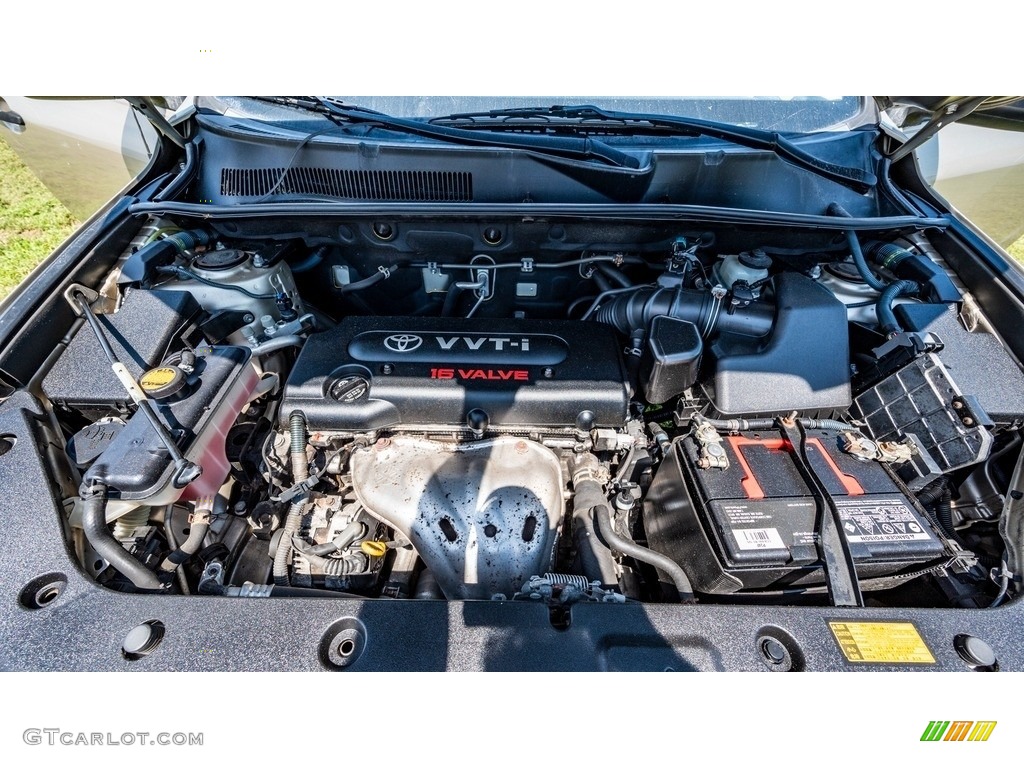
point(1004, 585)
point(883, 308)
point(595, 301)
point(938, 497)
point(615, 276)
point(603, 283)
point(931, 493)
point(188, 239)
point(352, 562)
point(377, 277)
point(889, 255)
point(292, 522)
point(665, 564)
point(861, 263)
point(595, 557)
point(191, 545)
point(944, 511)
point(632, 311)
point(451, 298)
point(835, 209)
point(352, 532)
point(660, 437)
point(427, 587)
point(94, 523)
point(310, 261)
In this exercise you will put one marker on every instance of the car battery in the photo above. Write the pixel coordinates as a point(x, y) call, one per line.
point(752, 525)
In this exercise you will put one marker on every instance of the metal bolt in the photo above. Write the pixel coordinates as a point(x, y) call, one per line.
point(968, 421)
point(387, 369)
point(549, 372)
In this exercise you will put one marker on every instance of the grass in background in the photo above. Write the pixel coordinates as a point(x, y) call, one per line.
point(1017, 250)
point(32, 221)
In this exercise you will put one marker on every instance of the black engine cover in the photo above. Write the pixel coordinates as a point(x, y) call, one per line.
point(379, 372)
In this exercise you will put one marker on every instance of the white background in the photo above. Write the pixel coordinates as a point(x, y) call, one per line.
point(512, 48)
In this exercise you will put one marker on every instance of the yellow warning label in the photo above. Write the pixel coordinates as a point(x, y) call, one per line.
point(881, 642)
point(158, 377)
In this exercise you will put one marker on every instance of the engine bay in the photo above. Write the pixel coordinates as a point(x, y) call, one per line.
point(521, 409)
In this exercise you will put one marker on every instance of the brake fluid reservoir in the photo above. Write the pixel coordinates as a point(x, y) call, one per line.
point(749, 267)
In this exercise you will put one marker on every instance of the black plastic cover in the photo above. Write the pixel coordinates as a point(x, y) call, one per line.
point(142, 264)
point(141, 333)
point(89, 442)
point(978, 360)
point(935, 283)
point(752, 525)
point(803, 366)
point(376, 372)
point(671, 359)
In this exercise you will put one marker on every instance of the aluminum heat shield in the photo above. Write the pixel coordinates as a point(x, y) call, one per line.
point(483, 516)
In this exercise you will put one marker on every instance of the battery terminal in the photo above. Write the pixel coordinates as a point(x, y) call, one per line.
point(712, 447)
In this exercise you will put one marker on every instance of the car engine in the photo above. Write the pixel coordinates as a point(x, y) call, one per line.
point(535, 410)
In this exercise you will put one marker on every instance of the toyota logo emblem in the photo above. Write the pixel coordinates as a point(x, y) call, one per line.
point(403, 342)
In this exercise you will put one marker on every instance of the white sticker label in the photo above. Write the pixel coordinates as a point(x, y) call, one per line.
point(885, 520)
point(758, 538)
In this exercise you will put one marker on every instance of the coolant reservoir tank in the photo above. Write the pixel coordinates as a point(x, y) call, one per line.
point(749, 267)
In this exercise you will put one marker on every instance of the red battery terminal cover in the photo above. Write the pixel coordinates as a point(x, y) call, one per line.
point(753, 489)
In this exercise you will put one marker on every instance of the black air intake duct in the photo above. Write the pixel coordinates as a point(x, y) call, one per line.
point(633, 311)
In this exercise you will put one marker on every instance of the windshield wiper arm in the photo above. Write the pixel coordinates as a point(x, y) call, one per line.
point(754, 138)
point(561, 146)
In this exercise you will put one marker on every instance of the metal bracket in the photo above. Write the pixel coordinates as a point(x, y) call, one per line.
point(74, 290)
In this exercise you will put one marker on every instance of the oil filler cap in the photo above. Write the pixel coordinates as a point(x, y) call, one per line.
point(162, 382)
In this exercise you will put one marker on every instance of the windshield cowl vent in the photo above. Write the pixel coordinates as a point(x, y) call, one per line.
point(411, 186)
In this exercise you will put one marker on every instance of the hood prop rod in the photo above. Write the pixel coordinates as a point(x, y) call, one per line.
point(150, 112)
point(185, 470)
point(950, 113)
point(840, 571)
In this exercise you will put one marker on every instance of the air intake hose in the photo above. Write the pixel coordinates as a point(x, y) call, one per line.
point(632, 311)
